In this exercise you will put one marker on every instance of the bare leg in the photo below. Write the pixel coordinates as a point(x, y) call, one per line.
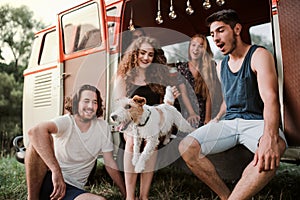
point(252, 181)
point(190, 151)
point(89, 196)
point(35, 173)
point(129, 174)
point(147, 176)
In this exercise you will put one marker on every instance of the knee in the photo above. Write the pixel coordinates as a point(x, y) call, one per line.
point(189, 147)
point(282, 146)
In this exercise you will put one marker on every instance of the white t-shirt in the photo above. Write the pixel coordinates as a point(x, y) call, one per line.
point(75, 151)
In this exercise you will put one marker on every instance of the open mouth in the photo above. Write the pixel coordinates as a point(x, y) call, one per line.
point(123, 126)
point(220, 46)
point(89, 112)
point(195, 52)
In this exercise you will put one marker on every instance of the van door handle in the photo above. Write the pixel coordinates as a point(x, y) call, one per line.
point(64, 75)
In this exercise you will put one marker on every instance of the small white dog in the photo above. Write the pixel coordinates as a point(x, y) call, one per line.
point(149, 123)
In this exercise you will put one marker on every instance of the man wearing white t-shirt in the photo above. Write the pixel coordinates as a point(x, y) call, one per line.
point(63, 151)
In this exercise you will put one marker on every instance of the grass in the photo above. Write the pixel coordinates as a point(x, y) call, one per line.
point(168, 184)
point(12, 179)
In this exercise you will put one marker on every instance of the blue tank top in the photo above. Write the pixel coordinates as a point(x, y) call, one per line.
point(240, 90)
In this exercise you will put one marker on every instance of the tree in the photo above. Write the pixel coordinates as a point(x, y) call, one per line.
point(17, 28)
point(10, 96)
point(10, 109)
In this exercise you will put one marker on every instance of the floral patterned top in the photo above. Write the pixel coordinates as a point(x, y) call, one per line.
point(197, 100)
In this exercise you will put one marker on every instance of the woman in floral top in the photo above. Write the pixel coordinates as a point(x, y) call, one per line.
point(201, 81)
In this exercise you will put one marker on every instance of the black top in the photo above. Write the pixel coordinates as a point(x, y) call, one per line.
point(152, 98)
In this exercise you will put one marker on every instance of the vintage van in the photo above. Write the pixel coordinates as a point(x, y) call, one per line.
point(87, 42)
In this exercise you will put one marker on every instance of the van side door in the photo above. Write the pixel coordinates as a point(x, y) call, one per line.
point(84, 47)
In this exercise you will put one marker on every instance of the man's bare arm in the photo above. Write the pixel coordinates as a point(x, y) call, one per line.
point(268, 154)
point(41, 140)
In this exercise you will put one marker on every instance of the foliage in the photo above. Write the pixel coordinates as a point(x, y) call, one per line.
point(10, 95)
point(16, 72)
point(17, 28)
point(10, 109)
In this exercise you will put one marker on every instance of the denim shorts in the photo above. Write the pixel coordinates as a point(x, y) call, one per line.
point(216, 137)
point(47, 187)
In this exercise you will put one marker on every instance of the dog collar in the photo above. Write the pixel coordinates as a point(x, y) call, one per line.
point(146, 119)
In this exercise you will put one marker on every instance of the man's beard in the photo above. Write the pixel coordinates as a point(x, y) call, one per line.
point(87, 119)
point(84, 119)
point(233, 47)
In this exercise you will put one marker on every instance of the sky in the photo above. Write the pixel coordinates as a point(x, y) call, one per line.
point(44, 10)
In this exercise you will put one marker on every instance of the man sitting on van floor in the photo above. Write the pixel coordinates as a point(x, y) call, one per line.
point(251, 108)
point(63, 151)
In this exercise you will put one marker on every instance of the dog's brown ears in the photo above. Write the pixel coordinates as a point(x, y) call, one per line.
point(139, 100)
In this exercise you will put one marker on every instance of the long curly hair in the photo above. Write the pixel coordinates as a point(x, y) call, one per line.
point(205, 78)
point(155, 74)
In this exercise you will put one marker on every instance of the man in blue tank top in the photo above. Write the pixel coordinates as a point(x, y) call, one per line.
point(250, 113)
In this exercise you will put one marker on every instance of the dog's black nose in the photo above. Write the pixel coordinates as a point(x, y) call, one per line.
point(114, 117)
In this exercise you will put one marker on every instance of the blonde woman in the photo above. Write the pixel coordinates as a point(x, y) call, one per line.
point(201, 81)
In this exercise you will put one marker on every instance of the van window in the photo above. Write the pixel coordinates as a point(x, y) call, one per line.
point(81, 29)
point(179, 52)
point(176, 52)
point(216, 52)
point(49, 48)
point(111, 25)
point(259, 35)
point(34, 53)
point(262, 35)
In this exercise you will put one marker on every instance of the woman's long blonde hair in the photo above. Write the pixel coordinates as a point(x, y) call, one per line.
point(204, 81)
